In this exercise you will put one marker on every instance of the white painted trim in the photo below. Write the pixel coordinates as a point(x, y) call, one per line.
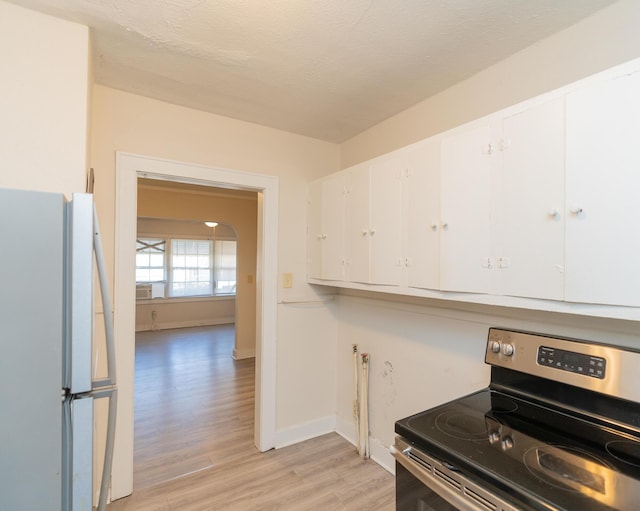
point(302, 432)
point(378, 452)
point(226, 320)
point(128, 168)
point(346, 429)
point(381, 455)
point(242, 354)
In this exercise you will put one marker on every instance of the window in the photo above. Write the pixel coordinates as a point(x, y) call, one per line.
point(225, 267)
point(190, 267)
point(150, 260)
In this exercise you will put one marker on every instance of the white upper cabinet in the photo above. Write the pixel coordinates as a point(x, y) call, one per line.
point(465, 221)
point(315, 230)
point(502, 215)
point(603, 187)
point(393, 216)
point(535, 201)
point(326, 228)
point(334, 207)
point(528, 243)
point(374, 222)
point(422, 214)
point(359, 229)
point(388, 177)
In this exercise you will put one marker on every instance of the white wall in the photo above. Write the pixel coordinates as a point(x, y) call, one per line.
point(43, 101)
point(134, 124)
point(425, 352)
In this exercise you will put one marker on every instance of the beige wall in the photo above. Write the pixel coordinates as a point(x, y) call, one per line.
point(605, 39)
point(43, 101)
point(161, 314)
point(134, 124)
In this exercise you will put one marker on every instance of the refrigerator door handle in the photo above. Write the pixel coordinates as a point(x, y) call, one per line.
point(106, 306)
point(106, 386)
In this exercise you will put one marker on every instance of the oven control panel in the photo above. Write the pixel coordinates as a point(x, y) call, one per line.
point(573, 362)
point(603, 368)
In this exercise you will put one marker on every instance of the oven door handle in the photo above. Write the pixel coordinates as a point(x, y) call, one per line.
point(442, 479)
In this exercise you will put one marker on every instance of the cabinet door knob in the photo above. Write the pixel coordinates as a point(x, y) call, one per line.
point(445, 226)
point(372, 231)
point(576, 210)
point(365, 232)
point(434, 226)
point(553, 212)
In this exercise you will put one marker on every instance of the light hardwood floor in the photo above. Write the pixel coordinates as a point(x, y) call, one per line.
point(194, 439)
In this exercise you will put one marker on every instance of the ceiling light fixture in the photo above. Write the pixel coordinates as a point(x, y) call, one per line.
point(211, 224)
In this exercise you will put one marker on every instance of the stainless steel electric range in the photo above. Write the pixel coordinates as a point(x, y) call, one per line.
point(558, 428)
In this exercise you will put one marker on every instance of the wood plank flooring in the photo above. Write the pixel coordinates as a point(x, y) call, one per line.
point(194, 439)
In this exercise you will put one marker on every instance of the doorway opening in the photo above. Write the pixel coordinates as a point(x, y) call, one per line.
point(128, 169)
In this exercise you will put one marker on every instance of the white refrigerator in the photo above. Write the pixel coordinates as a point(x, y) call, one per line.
point(47, 388)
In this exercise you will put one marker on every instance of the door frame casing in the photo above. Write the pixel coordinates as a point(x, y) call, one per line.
point(129, 167)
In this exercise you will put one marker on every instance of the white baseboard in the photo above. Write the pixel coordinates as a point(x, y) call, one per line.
point(185, 324)
point(299, 433)
point(378, 452)
point(242, 354)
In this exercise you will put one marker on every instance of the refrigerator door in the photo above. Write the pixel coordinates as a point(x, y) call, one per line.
point(78, 454)
point(31, 318)
point(80, 293)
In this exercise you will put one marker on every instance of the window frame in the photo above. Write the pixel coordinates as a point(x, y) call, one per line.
point(169, 269)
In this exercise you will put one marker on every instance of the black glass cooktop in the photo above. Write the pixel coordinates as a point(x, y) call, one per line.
point(541, 456)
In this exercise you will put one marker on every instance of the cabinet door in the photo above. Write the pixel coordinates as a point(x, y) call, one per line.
point(603, 185)
point(387, 257)
point(465, 240)
point(333, 220)
point(529, 246)
point(314, 230)
point(423, 214)
point(358, 231)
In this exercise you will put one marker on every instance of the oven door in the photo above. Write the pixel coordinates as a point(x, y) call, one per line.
point(413, 495)
point(426, 484)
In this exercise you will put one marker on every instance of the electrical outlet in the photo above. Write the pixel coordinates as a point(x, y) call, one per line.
point(154, 315)
point(287, 280)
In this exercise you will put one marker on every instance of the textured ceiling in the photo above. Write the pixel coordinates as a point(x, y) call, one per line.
point(327, 69)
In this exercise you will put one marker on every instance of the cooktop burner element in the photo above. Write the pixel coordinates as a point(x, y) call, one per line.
point(557, 428)
point(567, 468)
point(503, 404)
point(626, 451)
point(461, 425)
